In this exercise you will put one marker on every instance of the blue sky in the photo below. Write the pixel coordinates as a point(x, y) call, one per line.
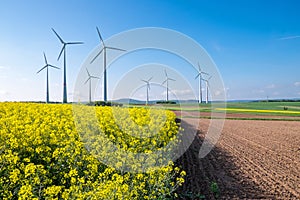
point(255, 44)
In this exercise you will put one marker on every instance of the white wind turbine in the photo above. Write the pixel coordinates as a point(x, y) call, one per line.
point(147, 88)
point(63, 49)
point(47, 76)
point(104, 48)
point(90, 84)
point(207, 86)
point(199, 75)
point(167, 81)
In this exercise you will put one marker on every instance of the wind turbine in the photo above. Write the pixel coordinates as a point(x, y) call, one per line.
point(147, 88)
point(104, 48)
point(167, 81)
point(90, 84)
point(47, 76)
point(199, 75)
point(65, 98)
point(207, 86)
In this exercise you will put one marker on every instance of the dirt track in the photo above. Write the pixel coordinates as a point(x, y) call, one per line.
point(252, 160)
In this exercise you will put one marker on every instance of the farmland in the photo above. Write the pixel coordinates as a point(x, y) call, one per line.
point(58, 151)
point(254, 108)
point(289, 111)
point(253, 159)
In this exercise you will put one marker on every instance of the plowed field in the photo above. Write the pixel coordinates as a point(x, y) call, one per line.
point(252, 160)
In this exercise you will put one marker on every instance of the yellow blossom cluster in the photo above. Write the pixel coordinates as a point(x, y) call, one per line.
point(54, 151)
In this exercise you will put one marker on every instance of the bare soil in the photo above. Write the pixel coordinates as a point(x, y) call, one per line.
point(252, 160)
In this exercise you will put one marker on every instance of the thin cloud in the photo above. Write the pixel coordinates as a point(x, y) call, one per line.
point(290, 37)
point(258, 91)
point(24, 79)
point(297, 84)
point(141, 95)
point(4, 92)
point(218, 93)
point(183, 92)
point(4, 67)
point(272, 86)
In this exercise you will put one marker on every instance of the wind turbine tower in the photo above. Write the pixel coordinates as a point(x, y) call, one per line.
point(90, 84)
point(47, 65)
point(167, 81)
point(104, 48)
point(147, 88)
point(207, 86)
point(199, 75)
point(65, 98)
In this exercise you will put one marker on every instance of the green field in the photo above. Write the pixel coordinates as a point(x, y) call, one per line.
point(252, 108)
point(292, 106)
point(265, 108)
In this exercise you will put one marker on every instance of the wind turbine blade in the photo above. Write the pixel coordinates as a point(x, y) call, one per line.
point(115, 48)
point(100, 36)
point(95, 77)
point(209, 78)
point(164, 81)
point(197, 75)
point(62, 49)
point(74, 43)
point(144, 81)
point(96, 56)
point(150, 79)
point(88, 72)
point(61, 40)
point(166, 73)
point(45, 58)
point(199, 67)
point(53, 66)
point(200, 70)
point(172, 79)
point(41, 69)
point(148, 85)
point(87, 80)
